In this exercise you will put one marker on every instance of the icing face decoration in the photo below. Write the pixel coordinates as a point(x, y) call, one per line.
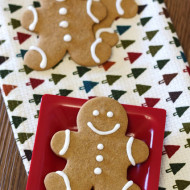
point(106, 117)
point(110, 114)
point(95, 112)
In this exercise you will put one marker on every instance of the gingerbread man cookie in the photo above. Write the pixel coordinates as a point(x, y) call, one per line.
point(66, 25)
point(99, 154)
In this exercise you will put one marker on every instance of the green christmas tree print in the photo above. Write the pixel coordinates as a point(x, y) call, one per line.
point(17, 120)
point(116, 94)
point(13, 8)
point(26, 69)
point(36, 4)
point(180, 111)
point(56, 78)
point(4, 73)
point(15, 23)
point(37, 98)
point(154, 50)
point(181, 184)
point(3, 59)
point(81, 71)
point(188, 144)
point(125, 43)
point(161, 63)
point(13, 104)
point(150, 35)
point(22, 137)
point(144, 21)
point(167, 133)
point(170, 27)
point(111, 79)
point(136, 72)
point(141, 89)
point(161, 188)
point(2, 42)
point(175, 41)
point(64, 92)
point(175, 168)
point(186, 128)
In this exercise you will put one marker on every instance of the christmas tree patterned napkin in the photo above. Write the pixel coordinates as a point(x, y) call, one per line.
point(147, 68)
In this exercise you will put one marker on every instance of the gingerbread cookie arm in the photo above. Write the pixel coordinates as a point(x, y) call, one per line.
point(96, 10)
point(60, 143)
point(30, 19)
point(137, 151)
point(126, 8)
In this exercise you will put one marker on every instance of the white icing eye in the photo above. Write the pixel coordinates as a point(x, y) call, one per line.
point(95, 113)
point(110, 114)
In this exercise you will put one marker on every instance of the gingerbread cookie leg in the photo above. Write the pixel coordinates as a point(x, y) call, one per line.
point(97, 52)
point(117, 184)
point(44, 56)
point(57, 180)
point(131, 186)
point(64, 180)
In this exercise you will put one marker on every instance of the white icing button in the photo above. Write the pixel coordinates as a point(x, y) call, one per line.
point(95, 113)
point(97, 171)
point(64, 24)
point(110, 114)
point(100, 147)
point(62, 11)
point(67, 38)
point(99, 158)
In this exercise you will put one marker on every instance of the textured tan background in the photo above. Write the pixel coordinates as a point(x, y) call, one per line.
point(12, 172)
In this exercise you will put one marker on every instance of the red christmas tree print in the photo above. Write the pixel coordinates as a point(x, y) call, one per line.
point(107, 65)
point(34, 82)
point(170, 150)
point(132, 56)
point(8, 88)
point(22, 37)
point(150, 102)
point(187, 70)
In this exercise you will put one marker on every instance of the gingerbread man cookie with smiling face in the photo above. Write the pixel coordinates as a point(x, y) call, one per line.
point(66, 26)
point(99, 154)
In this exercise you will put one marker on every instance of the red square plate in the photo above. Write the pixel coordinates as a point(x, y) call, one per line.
point(59, 113)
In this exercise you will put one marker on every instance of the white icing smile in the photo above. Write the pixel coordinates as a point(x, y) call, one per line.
point(90, 125)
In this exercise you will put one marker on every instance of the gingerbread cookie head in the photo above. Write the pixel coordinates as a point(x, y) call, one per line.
point(102, 116)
